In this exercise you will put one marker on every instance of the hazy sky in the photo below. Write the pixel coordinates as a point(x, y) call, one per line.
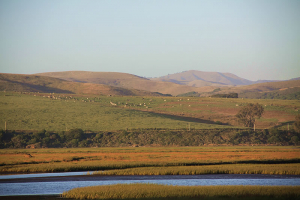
point(254, 39)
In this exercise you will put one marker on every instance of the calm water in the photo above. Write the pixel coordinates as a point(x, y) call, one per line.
point(57, 183)
point(43, 175)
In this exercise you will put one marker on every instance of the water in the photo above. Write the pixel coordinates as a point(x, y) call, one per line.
point(39, 175)
point(57, 183)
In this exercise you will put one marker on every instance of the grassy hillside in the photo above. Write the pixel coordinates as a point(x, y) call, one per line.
point(125, 80)
point(44, 84)
point(288, 94)
point(280, 85)
point(29, 83)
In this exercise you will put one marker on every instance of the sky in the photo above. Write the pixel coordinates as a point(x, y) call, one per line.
point(253, 39)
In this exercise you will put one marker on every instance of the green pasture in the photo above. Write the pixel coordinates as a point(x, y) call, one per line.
point(29, 112)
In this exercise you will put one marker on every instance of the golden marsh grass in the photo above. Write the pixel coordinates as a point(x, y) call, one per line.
point(280, 160)
point(147, 191)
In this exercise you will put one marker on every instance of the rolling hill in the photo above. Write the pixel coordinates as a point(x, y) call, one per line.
point(44, 84)
point(280, 89)
point(123, 84)
point(225, 83)
point(125, 80)
point(175, 84)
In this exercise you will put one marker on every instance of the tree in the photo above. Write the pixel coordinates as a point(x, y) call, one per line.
point(247, 114)
point(297, 123)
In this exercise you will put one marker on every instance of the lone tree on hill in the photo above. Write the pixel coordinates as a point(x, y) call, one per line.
point(247, 114)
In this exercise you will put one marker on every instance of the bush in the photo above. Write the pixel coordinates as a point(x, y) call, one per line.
point(274, 140)
point(295, 140)
point(74, 134)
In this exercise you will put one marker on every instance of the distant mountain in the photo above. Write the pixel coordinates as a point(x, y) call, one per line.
point(264, 81)
point(125, 80)
point(296, 78)
point(199, 79)
point(44, 84)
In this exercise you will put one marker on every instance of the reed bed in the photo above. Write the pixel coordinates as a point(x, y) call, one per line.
point(278, 169)
point(276, 160)
point(155, 191)
point(160, 168)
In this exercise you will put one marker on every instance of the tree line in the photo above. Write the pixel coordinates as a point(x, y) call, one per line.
point(146, 137)
point(231, 95)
